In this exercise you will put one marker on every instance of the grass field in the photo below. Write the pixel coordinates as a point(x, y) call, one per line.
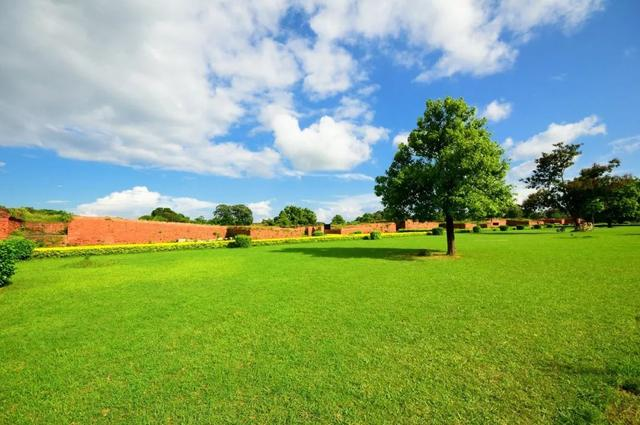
point(524, 327)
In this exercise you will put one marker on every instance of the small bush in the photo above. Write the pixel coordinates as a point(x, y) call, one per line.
point(519, 227)
point(560, 229)
point(357, 232)
point(549, 226)
point(437, 231)
point(476, 229)
point(241, 241)
point(7, 264)
point(375, 235)
point(537, 226)
point(22, 248)
point(504, 228)
point(317, 233)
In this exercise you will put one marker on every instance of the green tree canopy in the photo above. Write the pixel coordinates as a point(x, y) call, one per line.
point(232, 215)
point(594, 191)
point(338, 219)
point(374, 217)
point(449, 168)
point(295, 216)
point(166, 214)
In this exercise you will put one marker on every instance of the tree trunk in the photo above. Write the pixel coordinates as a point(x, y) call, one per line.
point(451, 238)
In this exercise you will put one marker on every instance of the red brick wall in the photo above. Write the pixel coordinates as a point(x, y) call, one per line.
point(466, 226)
point(101, 230)
point(364, 228)
point(523, 222)
point(494, 222)
point(418, 225)
point(58, 228)
point(8, 224)
point(268, 232)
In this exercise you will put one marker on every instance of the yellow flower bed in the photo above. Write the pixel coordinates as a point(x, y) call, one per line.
point(69, 251)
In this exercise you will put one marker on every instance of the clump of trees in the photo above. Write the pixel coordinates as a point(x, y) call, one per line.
point(232, 215)
point(374, 217)
point(292, 216)
point(449, 168)
point(166, 214)
point(338, 220)
point(595, 194)
point(226, 215)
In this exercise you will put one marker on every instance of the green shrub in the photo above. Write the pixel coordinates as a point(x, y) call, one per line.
point(537, 226)
point(476, 229)
point(437, 231)
point(519, 227)
point(549, 226)
point(317, 233)
point(375, 235)
point(241, 241)
point(357, 232)
point(504, 228)
point(7, 264)
point(560, 229)
point(22, 248)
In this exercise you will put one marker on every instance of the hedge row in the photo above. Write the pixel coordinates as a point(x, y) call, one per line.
point(73, 251)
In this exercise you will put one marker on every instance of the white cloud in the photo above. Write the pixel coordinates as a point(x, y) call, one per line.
point(401, 138)
point(261, 210)
point(555, 133)
point(355, 177)
point(326, 145)
point(497, 111)
point(349, 207)
point(165, 88)
point(353, 109)
point(329, 69)
point(2, 164)
point(139, 200)
point(626, 145)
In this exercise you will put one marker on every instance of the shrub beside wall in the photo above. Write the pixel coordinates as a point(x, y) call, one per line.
point(241, 241)
point(437, 231)
point(22, 248)
point(7, 264)
point(504, 228)
point(375, 235)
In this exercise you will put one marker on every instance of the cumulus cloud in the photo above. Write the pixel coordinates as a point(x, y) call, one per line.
point(349, 207)
point(261, 210)
point(166, 88)
point(497, 111)
point(139, 200)
point(326, 145)
point(555, 133)
point(401, 138)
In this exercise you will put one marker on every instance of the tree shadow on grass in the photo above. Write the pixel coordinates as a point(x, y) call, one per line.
point(394, 254)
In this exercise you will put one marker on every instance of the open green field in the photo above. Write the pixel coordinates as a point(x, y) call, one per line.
point(526, 327)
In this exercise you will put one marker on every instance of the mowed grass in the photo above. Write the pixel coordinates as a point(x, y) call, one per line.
point(524, 327)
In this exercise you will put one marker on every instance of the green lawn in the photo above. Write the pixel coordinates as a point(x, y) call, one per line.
point(525, 327)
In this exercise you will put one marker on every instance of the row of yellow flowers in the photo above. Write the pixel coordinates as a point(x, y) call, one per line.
point(69, 251)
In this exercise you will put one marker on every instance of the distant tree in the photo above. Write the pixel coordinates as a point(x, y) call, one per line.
point(200, 220)
point(268, 222)
point(295, 216)
point(338, 220)
point(374, 217)
point(232, 215)
point(514, 211)
point(582, 197)
point(449, 168)
point(166, 214)
point(622, 200)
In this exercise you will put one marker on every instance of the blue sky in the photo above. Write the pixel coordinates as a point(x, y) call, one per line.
point(115, 109)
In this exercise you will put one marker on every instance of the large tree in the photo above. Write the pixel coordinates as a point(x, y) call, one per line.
point(232, 215)
point(622, 200)
point(449, 168)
